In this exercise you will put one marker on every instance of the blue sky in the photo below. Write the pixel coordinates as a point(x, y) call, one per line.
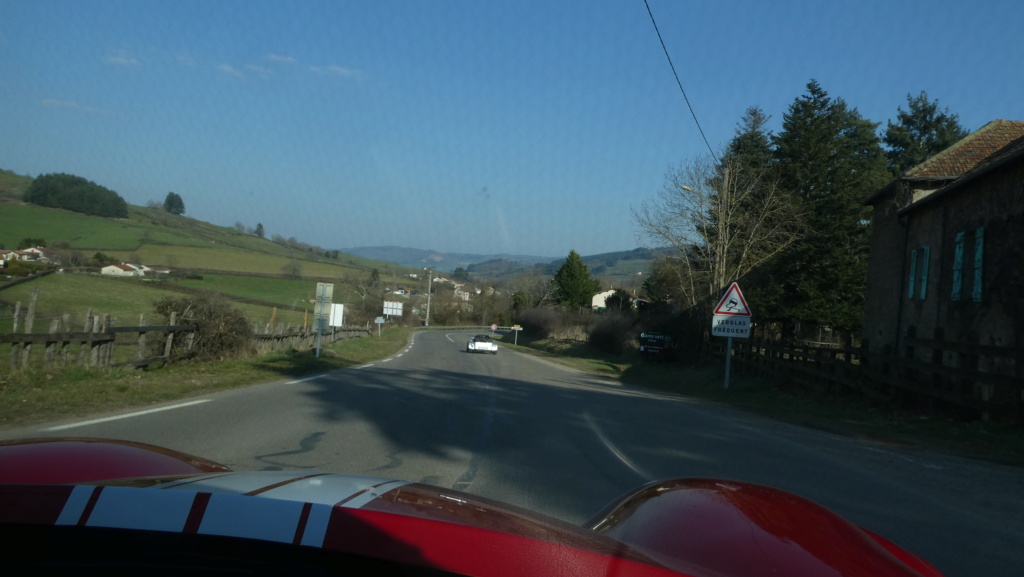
point(522, 127)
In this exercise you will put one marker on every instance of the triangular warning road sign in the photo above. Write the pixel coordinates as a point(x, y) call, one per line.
point(733, 303)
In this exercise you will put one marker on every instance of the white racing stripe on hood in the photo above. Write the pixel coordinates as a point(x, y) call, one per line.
point(325, 489)
point(272, 506)
point(235, 516)
point(335, 489)
point(131, 508)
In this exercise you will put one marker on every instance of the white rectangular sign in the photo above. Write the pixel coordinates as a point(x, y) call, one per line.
point(337, 315)
point(392, 308)
point(324, 291)
point(730, 326)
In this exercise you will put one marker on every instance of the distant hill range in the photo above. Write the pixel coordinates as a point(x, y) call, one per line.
point(441, 261)
point(481, 265)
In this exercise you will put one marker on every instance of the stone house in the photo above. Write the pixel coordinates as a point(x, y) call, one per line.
point(946, 259)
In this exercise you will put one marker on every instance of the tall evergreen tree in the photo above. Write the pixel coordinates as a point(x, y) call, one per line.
point(829, 158)
point(751, 145)
point(572, 284)
point(920, 132)
point(259, 230)
point(174, 204)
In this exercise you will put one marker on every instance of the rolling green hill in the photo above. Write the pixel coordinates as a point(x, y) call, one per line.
point(259, 274)
point(153, 236)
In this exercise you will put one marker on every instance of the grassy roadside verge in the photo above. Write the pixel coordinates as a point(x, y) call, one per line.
point(41, 396)
point(847, 415)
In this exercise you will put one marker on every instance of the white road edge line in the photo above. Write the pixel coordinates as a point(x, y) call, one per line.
point(305, 379)
point(126, 416)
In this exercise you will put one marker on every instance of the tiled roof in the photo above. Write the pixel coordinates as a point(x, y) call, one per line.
point(968, 151)
point(1012, 152)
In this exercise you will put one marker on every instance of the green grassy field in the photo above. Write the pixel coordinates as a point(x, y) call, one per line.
point(154, 237)
point(124, 299)
point(232, 259)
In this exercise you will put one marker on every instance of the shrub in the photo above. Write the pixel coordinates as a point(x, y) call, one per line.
point(613, 333)
point(222, 331)
point(539, 322)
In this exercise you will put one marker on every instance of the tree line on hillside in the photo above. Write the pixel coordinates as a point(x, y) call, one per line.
point(74, 193)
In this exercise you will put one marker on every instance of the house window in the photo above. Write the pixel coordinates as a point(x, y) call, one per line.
point(918, 285)
point(913, 274)
point(958, 266)
point(979, 253)
point(977, 265)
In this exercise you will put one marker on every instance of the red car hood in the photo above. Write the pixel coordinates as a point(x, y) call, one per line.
point(697, 527)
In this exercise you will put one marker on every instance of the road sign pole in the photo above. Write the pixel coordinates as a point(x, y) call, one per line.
point(319, 324)
point(728, 359)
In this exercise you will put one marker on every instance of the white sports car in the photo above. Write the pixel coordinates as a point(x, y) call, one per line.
point(482, 344)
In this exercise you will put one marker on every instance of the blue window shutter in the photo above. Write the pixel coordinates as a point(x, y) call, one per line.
point(925, 254)
point(913, 274)
point(958, 266)
point(979, 258)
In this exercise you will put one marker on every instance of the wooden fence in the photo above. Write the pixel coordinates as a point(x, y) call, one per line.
point(101, 343)
point(270, 338)
point(970, 379)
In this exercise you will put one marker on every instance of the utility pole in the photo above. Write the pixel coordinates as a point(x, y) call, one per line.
point(430, 280)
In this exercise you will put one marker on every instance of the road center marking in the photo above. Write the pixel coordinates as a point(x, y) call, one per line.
point(126, 416)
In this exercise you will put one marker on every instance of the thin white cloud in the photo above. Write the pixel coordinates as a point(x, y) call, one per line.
point(122, 58)
point(259, 70)
point(186, 59)
point(54, 103)
point(230, 71)
point(280, 58)
point(334, 70)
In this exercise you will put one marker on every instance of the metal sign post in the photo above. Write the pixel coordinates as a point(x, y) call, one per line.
point(731, 319)
point(728, 359)
point(321, 310)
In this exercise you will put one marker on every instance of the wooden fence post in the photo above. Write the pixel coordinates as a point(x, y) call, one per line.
point(94, 347)
point(14, 346)
point(83, 350)
point(169, 339)
point(107, 351)
point(65, 345)
point(141, 354)
point(51, 344)
point(30, 318)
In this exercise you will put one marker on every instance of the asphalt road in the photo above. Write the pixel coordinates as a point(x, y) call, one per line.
point(535, 434)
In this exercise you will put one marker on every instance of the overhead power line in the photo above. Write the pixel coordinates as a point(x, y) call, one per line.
point(678, 82)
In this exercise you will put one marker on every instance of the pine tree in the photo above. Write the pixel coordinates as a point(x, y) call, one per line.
point(572, 284)
point(174, 204)
point(828, 158)
point(921, 132)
